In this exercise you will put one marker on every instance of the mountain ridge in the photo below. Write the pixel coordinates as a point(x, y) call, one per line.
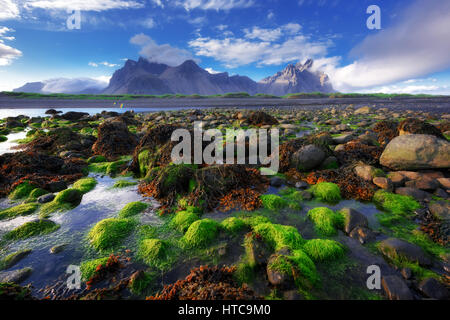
point(152, 78)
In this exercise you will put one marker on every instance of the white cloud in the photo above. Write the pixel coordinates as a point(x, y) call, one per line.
point(412, 89)
point(234, 52)
point(148, 23)
point(7, 53)
point(272, 34)
point(75, 85)
point(104, 63)
point(418, 45)
point(214, 4)
point(9, 10)
point(212, 71)
point(163, 53)
point(84, 5)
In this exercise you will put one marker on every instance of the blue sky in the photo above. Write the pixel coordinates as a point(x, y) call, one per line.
point(256, 38)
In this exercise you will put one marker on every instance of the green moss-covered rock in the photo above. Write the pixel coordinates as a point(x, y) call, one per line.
point(85, 185)
point(22, 191)
point(36, 193)
point(395, 203)
point(325, 220)
point(3, 138)
point(233, 225)
point(273, 202)
point(183, 220)
point(109, 233)
point(20, 210)
point(296, 266)
point(327, 192)
point(155, 253)
point(13, 258)
point(109, 168)
point(279, 236)
point(140, 281)
point(201, 233)
point(132, 209)
point(31, 229)
point(96, 159)
point(88, 268)
point(65, 200)
point(123, 184)
point(324, 249)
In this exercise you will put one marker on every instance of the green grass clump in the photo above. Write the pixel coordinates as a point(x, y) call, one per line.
point(22, 191)
point(132, 209)
point(31, 229)
point(89, 268)
point(108, 233)
point(273, 202)
point(201, 233)
point(327, 192)
point(279, 236)
point(323, 249)
point(20, 210)
point(96, 159)
point(3, 138)
point(65, 200)
point(395, 203)
point(233, 225)
point(36, 193)
point(85, 185)
point(325, 220)
point(123, 184)
point(183, 220)
point(155, 253)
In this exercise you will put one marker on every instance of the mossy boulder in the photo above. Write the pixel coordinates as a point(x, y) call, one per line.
point(325, 220)
point(65, 200)
point(292, 267)
point(201, 233)
point(22, 191)
point(279, 236)
point(96, 159)
point(155, 253)
point(327, 192)
point(3, 138)
point(13, 258)
point(109, 233)
point(132, 209)
point(273, 202)
point(20, 210)
point(124, 184)
point(85, 185)
point(31, 229)
point(395, 203)
point(89, 268)
point(324, 249)
point(183, 220)
point(36, 193)
point(233, 225)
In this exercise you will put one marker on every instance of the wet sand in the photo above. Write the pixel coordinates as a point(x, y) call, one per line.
point(435, 104)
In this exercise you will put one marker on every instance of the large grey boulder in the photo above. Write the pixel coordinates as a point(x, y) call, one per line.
point(416, 151)
point(394, 248)
point(308, 157)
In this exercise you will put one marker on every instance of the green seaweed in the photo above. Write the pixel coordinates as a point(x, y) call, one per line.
point(109, 233)
point(31, 229)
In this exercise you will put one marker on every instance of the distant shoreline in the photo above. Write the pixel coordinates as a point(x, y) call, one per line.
point(427, 104)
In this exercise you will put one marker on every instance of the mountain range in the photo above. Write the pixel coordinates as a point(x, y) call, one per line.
point(145, 77)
